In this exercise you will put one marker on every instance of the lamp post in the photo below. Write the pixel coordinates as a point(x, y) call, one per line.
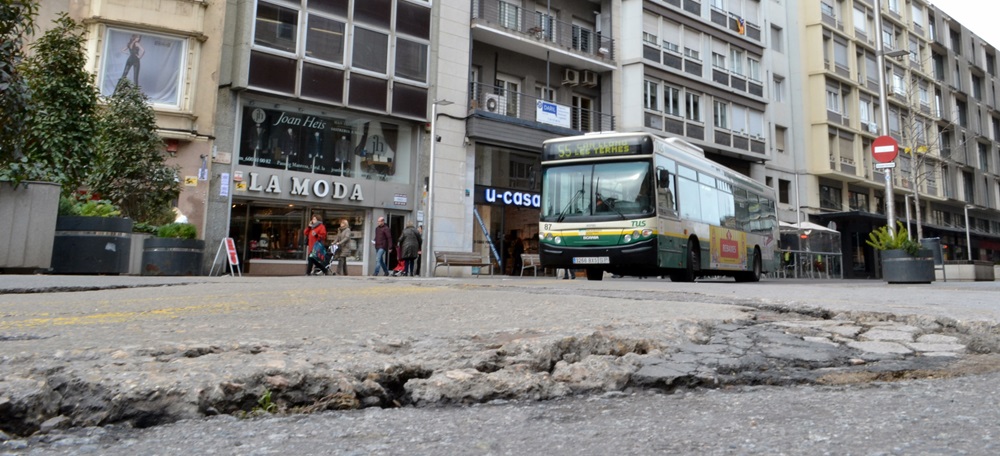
point(968, 238)
point(890, 200)
point(429, 223)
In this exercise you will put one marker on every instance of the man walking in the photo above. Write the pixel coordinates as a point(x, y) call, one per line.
point(383, 245)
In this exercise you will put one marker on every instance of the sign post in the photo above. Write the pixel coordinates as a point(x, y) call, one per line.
point(884, 150)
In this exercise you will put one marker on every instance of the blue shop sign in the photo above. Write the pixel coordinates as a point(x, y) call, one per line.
point(507, 197)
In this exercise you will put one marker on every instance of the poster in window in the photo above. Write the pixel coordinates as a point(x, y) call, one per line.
point(151, 61)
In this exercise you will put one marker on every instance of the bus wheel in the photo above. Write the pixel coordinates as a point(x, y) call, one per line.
point(595, 274)
point(693, 266)
point(754, 274)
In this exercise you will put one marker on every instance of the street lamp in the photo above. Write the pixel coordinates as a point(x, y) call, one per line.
point(968, 238)
point(890, 200)
point(427, 248)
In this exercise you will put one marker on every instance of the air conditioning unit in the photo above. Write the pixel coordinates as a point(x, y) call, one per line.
point(589, 78)
point(872, 128)
point(571, 77)
point(496, 103)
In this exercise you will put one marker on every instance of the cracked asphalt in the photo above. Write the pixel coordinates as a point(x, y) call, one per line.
point(87, 363)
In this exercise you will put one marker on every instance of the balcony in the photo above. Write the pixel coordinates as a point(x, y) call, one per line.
point(496, 102)
point(536, 34)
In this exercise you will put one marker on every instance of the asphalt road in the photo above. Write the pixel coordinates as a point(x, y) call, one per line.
point(50, 316)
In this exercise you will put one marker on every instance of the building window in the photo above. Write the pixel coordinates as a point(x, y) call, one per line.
point(411, 60)
point(753, 67)
point(784, 189)
point(672, 101)
point(325, 39)
point(778, 93)
point(718, 60)
point(693, 107)
point(582, 114)
point(650, 96)
point(371, 50)
point(857, 201)
point(721, 115)
point(779, 138)
point(860, 20)
point(898, 86)
point(276, 27)
point(777, 43)
point(830, 197)
point(736, 57)
point(833, 99)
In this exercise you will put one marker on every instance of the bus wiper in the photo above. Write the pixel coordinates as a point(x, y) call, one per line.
point(572, 201)
point(609, 203)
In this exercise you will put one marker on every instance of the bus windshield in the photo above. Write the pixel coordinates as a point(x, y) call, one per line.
point(603, 191)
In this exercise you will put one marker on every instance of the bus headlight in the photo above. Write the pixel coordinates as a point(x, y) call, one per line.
point(558, 240)
point(647, 233)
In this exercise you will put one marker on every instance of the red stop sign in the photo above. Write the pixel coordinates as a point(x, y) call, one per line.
point(885, 149)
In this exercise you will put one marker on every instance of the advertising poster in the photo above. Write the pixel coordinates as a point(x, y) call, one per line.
point(153, 62)
point(729, 249)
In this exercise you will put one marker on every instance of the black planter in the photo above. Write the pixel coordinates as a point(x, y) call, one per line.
point(172, 257)
point(91, 245)
point(899, 267)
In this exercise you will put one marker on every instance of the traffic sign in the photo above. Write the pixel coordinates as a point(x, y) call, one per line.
point(885, 149)
point(885, 165)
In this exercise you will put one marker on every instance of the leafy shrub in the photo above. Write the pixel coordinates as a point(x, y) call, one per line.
point(177, 231)
point(87, 207)
point(882, 239)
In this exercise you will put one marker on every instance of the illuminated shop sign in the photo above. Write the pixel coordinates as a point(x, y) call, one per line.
point(506, 197)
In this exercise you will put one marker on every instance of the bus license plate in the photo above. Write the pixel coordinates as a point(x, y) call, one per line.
point(591, 260)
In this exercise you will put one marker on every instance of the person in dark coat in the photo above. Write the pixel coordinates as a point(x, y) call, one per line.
point(410, 242)
point(383, 246)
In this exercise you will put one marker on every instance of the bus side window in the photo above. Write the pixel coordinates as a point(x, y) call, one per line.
point(665, 191)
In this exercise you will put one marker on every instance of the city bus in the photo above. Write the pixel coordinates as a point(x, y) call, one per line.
point(640, 205)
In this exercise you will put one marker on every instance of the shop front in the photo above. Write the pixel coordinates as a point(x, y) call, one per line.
point(294, 164)
point(509, 224)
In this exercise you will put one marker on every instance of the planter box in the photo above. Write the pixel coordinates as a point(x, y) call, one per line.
point(172, 257)
point(899, 267)
point(92, 245)
point(964, 271)
point(135, 253)
point(27, 225)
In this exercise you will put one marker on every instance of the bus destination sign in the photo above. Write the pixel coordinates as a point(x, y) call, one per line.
point(594, 148)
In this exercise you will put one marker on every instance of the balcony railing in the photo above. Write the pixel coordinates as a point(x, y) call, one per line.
point(497, 100)
point(541, 26)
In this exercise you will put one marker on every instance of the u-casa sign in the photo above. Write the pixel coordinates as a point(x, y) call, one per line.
point(510, 197)
point(306, 187)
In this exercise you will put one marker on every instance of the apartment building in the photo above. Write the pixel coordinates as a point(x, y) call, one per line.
point(940, 106)
point(171, 50)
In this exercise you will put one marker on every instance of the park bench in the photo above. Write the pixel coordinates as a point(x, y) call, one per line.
point(530, 261)
point(449, 259)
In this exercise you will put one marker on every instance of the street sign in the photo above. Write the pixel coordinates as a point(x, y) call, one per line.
point(885, 149)
point(885, 165)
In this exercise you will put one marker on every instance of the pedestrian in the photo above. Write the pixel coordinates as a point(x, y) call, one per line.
point(315, 232)
point(569, 273)
point(383, 246)
point(516, 249)
point(410, 242)
point(344, 248)
point(420, 253)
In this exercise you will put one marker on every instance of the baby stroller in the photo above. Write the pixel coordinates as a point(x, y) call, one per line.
point(400, 269)
point(325, 257)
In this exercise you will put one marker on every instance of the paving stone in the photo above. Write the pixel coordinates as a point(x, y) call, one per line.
point(937, 339)
point(941, 354)
point(922, 347)
point(880, 347)
point(887, 334)
point(821, 340)
point(845, 330)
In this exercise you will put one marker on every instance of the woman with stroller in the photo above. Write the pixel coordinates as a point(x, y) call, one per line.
point(344, 248)
point(409, 243)
point(316, 232)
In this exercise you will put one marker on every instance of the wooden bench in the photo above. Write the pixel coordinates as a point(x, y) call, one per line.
point(530, 261)
point(449, 259)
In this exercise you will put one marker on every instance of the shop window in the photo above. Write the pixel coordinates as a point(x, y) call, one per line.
point(276, 232)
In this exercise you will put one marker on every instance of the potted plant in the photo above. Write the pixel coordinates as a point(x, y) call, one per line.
point(91, 238)
point(903, 259)
point(47, 128)
point(175, 251)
